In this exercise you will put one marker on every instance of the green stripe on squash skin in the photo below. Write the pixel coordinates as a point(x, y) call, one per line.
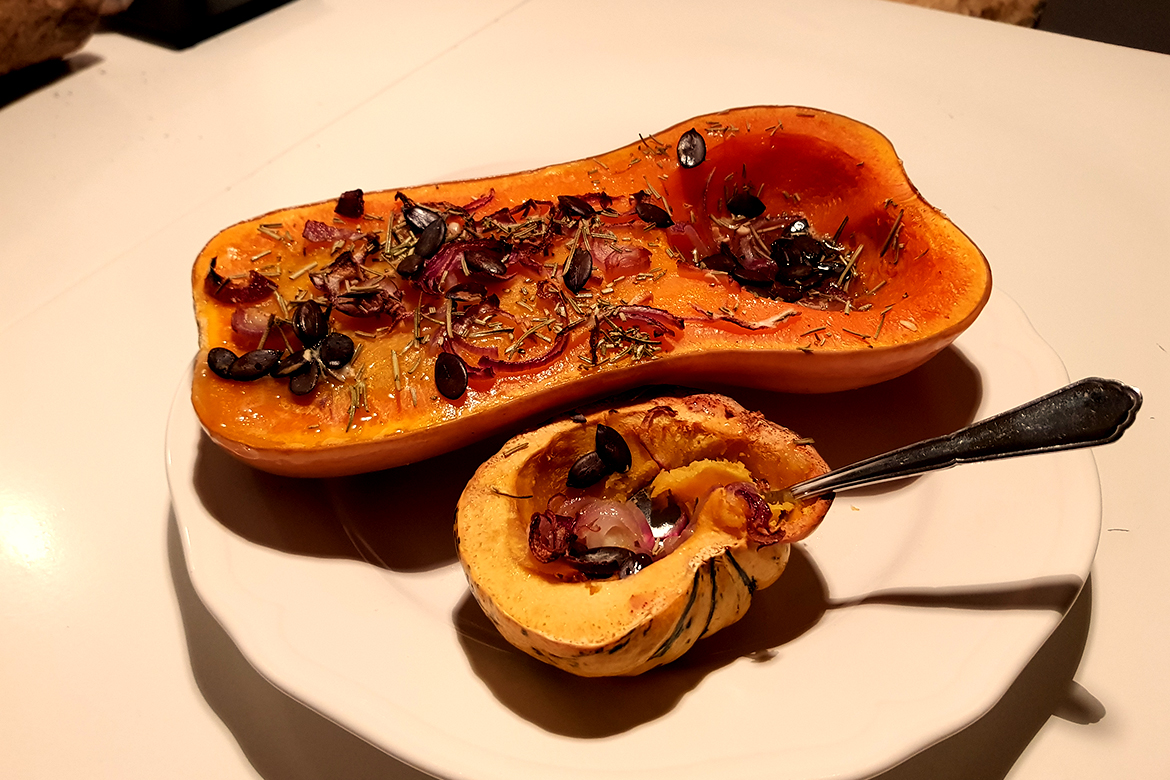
point(748, 581)
point(714, 596)
point(682, 623)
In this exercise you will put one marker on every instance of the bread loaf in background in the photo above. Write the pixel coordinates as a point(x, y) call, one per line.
point(33, 31)
point(1023, 12)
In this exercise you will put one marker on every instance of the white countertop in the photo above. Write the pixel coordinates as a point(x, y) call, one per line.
point(1049, 151)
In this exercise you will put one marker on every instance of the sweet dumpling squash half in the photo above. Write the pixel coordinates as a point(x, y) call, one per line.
point(608, 544)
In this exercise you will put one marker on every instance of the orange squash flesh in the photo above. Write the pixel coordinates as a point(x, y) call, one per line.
point(626, 626)
point(383, 410)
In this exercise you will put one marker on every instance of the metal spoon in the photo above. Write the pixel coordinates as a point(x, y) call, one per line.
point(1084, 414)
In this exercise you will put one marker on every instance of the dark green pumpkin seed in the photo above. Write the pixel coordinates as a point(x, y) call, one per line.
point(410, 265)
point(336, 350)
point(310, 323)
point(655, 215)
point(602, 562)
point(612, 449)
point(450, 375)
point(220, 361)
point(486, 263)
point(579, 270)
point(253, 365)
point(746, 205)
point(692, 149)
point(587, 470)
point(418, 217)
point(292, 363)
point(431, 238)
point(573, 206)
point(306, 381)
point(634, 564)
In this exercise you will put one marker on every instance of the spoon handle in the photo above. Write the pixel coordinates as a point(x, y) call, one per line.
point(1086, 413)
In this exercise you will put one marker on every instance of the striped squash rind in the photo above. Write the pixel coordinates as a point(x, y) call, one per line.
point(627, 626)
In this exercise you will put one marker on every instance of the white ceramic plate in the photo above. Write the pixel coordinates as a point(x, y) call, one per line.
point(902, 620)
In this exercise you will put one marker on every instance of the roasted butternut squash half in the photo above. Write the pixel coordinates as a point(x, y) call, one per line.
point(775, 247)
point(653, 551)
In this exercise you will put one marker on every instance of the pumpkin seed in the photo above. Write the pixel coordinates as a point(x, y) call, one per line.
point(485, 262)
point(579, 270)
point(418, 217)
point(573, 206)
point(431, 238)
point(746, 205)
point(310, 323)
point(692, 149)
point(612, 449)
point(253, 365)
point(450, 375)
point(648, 212)
point(336, 350)
point(410, 265)
point(304, 382)
point(602, 562)
point(292, 363)
point(634, 564)
point(220, 360)
point(589, 469)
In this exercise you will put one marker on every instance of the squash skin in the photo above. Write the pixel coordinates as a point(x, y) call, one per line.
point(922, 302)
point(628, 626)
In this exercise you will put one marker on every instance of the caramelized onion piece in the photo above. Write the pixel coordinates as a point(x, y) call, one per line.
point(219, 287)
point(549, 535)
point(351, 204)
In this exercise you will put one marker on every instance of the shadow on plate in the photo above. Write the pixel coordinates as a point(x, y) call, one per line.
point(285, 740)
point(401, 519)
point(562, 703)
point(590, 708)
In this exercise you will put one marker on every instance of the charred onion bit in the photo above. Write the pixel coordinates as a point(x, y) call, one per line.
point(549, 535)
point(350, 290)
point(692, 149)
point(528, 364)
point(227, 290)
point(317, 232)
point(450, 375)
point(761, 528)
point(351, 204)
point(649, 212)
